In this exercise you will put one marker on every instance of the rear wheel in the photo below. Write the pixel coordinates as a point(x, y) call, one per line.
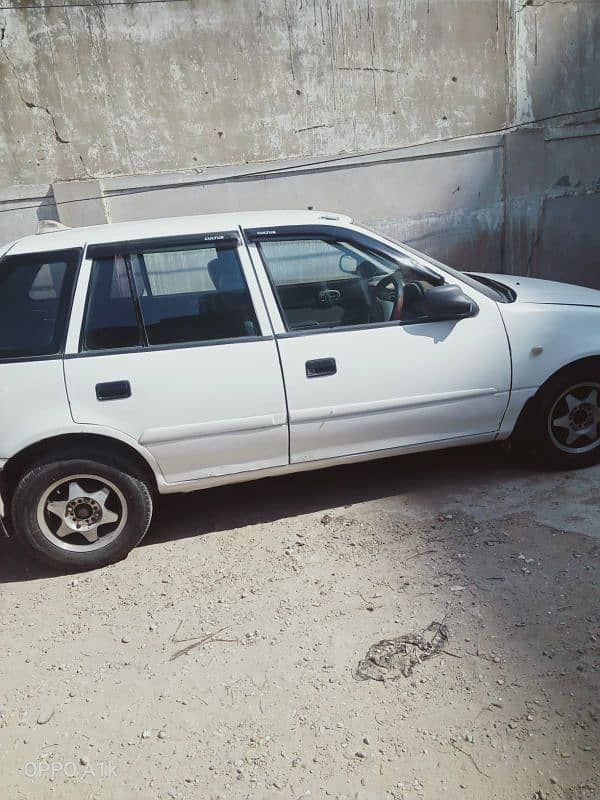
point(566, 421)
point(80, 514)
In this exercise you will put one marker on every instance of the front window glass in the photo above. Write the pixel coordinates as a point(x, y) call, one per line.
point(327, 284)
point(35, 293)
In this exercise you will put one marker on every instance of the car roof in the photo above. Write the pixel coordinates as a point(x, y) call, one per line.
point(168, 226)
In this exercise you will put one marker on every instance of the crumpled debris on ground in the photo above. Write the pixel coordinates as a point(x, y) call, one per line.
point(394, 658)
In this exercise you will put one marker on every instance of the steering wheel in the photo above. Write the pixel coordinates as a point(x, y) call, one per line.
point(398, 297)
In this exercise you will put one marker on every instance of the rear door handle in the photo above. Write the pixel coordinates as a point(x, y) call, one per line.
point(320, 367)
point(113, 390)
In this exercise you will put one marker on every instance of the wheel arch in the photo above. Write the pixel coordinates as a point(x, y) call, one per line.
point(522, 425)
point(83, 445)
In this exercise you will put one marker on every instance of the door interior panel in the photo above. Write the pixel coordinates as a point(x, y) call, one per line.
point(326, 304)
point(198, 316)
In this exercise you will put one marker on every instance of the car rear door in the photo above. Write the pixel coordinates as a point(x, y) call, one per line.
point(357, 381)
point(171, 345)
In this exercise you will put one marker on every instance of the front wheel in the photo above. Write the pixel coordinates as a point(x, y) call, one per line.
point(566, 421)
point(80, 514)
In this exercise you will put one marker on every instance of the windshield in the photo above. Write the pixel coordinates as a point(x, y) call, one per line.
point(484, 287)
point(487, 287)
point(35, 292)
point(507, 294)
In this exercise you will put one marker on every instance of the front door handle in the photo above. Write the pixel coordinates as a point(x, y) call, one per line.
point(113, 390)
point(319, 367)
point(329, 297)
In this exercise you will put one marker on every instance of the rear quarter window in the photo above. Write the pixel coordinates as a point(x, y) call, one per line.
point(35, 299)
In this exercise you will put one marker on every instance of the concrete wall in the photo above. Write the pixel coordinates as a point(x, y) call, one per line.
point(567, 244)
point(136, 88)
point(418, 194)
point(322, 103)
point(552, 213)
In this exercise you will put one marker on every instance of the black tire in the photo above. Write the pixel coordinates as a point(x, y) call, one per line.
point(35, 482)
point(549, 441)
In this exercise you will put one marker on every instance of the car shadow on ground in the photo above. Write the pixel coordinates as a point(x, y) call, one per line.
point(235, 506)
point(271, 499)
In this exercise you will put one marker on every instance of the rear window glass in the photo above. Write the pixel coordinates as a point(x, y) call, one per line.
point(178, 295)
point(195, 294)
point(111, 320)
point(35, 295)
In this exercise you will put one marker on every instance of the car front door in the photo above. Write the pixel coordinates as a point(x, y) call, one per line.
point(176, 352)
point(363, 374)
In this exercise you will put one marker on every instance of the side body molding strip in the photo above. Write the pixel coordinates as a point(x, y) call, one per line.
point(180, 433)
point(352, 409)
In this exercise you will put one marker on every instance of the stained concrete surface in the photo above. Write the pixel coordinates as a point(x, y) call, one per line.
point(296, 578)
point(168, 93)
point(96, 89)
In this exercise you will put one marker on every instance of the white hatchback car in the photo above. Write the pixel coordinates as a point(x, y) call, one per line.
point(177, 354)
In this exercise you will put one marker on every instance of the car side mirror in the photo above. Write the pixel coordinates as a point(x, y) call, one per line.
point(348, 264)
point(448, 302)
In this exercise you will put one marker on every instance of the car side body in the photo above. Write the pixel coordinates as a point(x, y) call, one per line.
point(212, 350)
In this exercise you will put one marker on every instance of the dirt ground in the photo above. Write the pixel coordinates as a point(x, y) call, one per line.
point(294, 579)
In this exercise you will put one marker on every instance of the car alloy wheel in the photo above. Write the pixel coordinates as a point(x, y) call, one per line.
point(82, 513)
point(574, 419)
